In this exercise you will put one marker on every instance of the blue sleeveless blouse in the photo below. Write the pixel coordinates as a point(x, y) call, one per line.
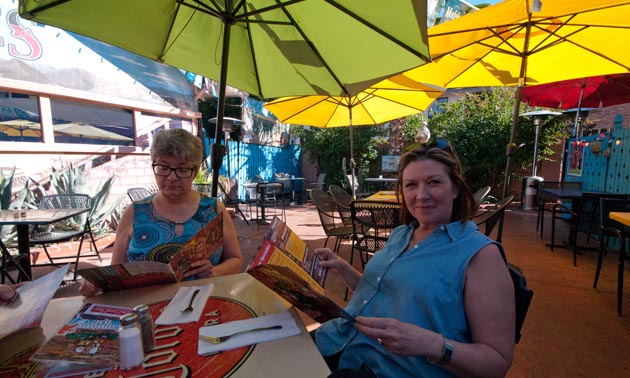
point(154, 238)
point(423, 285)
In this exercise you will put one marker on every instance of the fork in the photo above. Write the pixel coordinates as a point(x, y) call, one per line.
point(192, 299)
point(220, 339)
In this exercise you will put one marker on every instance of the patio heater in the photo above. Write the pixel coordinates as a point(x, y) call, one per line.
point(531, 183)
point(227, 127)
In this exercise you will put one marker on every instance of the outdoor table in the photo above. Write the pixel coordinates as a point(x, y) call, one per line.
point(383, 195)
point(571, 194)
point(32, 217)
point(295, 356)
point(292, 181)
point(621, 217)
point(382, 181)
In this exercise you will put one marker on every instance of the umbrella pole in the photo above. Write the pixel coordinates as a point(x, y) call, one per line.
point(217, 150)
point(576, 125)
point(352, 163)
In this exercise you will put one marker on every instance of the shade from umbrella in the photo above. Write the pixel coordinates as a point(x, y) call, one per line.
point(21, 128)
point(269, 48)
point(527, 42)
point(83, 130)
point(389, 99)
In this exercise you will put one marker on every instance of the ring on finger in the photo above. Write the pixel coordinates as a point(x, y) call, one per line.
point(379, 340)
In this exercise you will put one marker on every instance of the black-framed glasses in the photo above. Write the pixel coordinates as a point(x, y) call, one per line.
point(180, 172)
point(437, 142)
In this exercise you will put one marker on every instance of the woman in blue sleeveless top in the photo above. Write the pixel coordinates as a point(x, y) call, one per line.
point(154, 228)
point(438, 300)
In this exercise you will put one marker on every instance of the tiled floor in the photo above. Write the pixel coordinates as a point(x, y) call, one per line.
point(571, 330)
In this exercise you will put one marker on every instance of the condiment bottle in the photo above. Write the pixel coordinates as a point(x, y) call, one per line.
point(131, 353)
point(146, 327)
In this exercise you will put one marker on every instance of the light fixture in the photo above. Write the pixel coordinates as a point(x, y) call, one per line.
point(424, 134)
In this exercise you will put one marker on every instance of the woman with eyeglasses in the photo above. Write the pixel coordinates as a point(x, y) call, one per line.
point(438, 300)
point(156, 227)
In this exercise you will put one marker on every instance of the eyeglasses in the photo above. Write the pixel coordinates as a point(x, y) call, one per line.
point(437, 142)
point(180, 172)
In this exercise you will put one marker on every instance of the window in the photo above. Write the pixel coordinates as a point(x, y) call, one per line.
point(19, 118)
point(80, 123)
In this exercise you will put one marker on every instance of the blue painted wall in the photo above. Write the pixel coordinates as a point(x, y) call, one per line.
point(609, 170)
point(248, 160)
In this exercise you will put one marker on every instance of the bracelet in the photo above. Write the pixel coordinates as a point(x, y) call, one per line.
point(447, 353)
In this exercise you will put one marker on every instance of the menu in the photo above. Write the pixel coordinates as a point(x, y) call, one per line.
point(144, 273)
point(27, 309)
point(289, 267)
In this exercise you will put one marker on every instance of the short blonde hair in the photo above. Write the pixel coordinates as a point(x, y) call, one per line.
point(178, 143)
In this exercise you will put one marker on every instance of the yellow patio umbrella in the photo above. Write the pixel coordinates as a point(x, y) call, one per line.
point(527, 42)
point(396, 97)
point(21, 128)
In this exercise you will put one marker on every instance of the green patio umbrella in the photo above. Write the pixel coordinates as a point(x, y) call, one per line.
point(269, 48)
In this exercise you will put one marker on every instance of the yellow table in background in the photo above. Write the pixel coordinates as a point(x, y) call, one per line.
point(383, 195)
point(621, 217)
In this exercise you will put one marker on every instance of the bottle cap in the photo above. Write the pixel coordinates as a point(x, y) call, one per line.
point(141, 309)
point(128, 319)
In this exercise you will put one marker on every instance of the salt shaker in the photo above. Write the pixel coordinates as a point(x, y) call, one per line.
point(146, 327)
point(131, 354)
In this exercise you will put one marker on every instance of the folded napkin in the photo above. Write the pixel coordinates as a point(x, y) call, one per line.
point(172, 313)
point(289, 328)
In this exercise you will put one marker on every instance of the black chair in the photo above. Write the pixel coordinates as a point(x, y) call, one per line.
point(492, 216)
point(136, 194)
point(81, 228)
point(548, 203)
point(613, 237)
point(376, 219)
point(583, 220)
point(230, 198)
point(522, 296)
point(270, 196)
point(329, 217)
point(9, 261)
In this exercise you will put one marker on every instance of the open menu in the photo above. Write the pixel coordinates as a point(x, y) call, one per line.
point(144, 273)
point(90, 337)
point(289, 267)
point(27, 309)
point(281, 246)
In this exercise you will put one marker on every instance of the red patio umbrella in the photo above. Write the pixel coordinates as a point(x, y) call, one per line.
point(588, 92)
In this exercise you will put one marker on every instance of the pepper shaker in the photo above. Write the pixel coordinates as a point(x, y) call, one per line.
point(146, 327)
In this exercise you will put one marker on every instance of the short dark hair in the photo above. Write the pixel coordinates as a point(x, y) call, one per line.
point(463, 204)
point(178, 143)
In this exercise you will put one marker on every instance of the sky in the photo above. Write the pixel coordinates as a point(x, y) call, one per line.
point(476, 2)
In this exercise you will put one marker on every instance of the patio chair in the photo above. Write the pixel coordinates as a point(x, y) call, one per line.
point(358, 191)
point(80, 230)
point(377, 219)
point(480, 195)
point(583, 220)
point(522, 296)
point(547, 203)
point(613, 236)
point(136, 194)
point(270, 196)
point(9, 261)
point(329, 217)
point(492, 216)
point(343, 200)
point(230, 197)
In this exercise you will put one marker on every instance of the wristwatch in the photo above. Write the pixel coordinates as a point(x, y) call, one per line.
point(447, 353)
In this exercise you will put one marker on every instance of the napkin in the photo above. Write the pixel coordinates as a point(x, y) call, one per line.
point(172, 313)
point(289, 328)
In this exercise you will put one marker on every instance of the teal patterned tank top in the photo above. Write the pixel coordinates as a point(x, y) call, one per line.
point(154, 238)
